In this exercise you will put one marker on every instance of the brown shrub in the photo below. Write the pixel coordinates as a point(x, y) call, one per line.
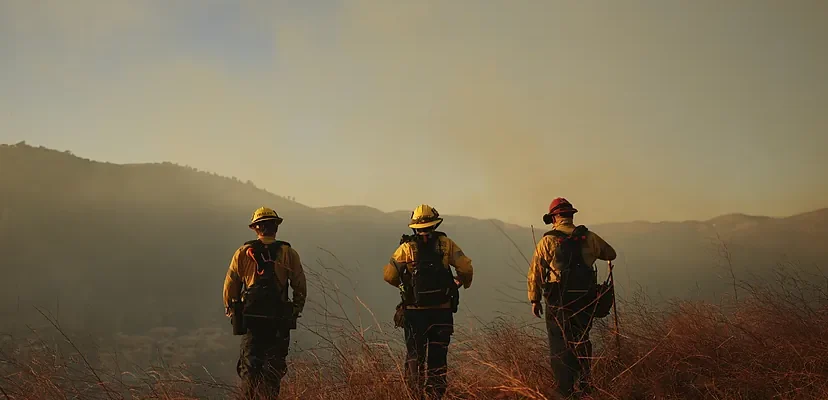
point(772, 343)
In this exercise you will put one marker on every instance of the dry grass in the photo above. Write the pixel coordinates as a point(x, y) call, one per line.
point(770, 344)
point(37, 369)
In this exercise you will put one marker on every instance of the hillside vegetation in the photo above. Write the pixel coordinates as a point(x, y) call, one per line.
point(771, 344)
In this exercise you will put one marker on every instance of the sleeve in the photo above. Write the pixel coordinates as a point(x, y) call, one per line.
point(232, 281)
point(298, 283)
point(391, 270)
point(540, 262)
point(462, 264)
point(601, 248)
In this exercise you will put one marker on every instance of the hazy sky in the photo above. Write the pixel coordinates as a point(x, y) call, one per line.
point(656, 110)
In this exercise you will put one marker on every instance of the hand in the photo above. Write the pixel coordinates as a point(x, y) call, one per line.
point(456, 282)
point(537, 309)
point(227, 312)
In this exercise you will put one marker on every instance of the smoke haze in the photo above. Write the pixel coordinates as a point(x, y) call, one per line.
point(641, 110)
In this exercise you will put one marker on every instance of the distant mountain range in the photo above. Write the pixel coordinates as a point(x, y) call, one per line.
point(131, 247)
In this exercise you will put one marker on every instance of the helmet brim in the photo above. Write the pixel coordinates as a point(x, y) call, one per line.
point(426, 224)
point(565, 211)
point(277, 219)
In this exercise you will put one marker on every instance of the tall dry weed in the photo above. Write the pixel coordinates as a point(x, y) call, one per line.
point(771, 343)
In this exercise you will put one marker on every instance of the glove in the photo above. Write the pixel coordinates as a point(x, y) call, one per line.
point(537, 309)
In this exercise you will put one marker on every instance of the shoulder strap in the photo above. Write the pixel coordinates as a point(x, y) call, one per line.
point(253, 248)
point(416, 250)
point(256, 243)
point(410, 238)
point(264, 259)
point(578, 233)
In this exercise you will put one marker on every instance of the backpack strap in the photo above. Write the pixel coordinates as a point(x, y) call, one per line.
point(578, 234)
point(255, 250)
point(410, 238)
point(556, 233)
point(558, 236)
point(416, 250)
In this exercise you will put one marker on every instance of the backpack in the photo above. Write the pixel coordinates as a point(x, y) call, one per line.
point(265, 303)
point(429, 283)
point(577, 287)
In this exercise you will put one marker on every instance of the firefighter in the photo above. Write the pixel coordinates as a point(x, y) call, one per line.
point(420, 267)
point(256, 298)
point(562, 275)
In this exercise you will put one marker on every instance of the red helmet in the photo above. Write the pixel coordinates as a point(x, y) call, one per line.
point(561, 206)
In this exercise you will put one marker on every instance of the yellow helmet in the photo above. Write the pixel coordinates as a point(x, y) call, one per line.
point(424, 216)
point(264, 214)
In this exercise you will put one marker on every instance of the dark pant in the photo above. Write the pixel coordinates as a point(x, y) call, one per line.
point(262, 364)
point(427, 337)
point(570, 348)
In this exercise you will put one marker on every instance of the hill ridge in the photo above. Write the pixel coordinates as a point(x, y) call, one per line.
point(346, 208)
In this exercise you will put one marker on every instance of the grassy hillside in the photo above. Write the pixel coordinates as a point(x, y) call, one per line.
point(134, 255)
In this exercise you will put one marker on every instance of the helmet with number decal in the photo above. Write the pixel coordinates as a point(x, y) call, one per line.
point(264, 214)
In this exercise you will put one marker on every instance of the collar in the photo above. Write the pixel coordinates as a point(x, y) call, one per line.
point(562, 222)
point(267, 239)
